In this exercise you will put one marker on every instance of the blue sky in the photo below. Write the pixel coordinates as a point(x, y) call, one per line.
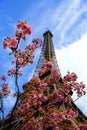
point(67, 19)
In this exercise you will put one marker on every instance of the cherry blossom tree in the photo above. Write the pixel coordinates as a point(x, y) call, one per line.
point(4, 92)
point(22, 58)
point(42, 99)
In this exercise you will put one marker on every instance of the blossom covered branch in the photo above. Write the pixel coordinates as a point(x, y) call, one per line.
point(43, 104)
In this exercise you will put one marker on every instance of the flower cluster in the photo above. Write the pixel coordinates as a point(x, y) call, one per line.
point(22, 30)
point(25, 57)
point(28, 126)
point(13, 72)
point(11, 43)
point(70, 77)
point(69, 82)
point(49, 67)
point(69, 113)
point(46, 66)
point(83, 126)
point(60, 116)
point(4, 90)
point(37, 42)
point(35, 81)
point(44, 86)
point(79, 88)
point(3, 77)
point(42, 104)
point(56, 97)
point(54, 76)
point(22, 58)
point(31, 103)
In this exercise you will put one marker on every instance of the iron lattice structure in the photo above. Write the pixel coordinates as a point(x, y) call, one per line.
point(47, 54)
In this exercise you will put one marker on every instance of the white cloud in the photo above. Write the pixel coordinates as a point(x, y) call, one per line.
point(67, 15)
point(74, 59)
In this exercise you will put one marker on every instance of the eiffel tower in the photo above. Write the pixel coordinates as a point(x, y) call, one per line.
point(47, 54)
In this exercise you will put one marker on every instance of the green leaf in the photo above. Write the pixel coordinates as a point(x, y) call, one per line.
point(24, 38)
point(10, 53)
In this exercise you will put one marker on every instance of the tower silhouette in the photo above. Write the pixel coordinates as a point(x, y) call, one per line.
point(47, 54)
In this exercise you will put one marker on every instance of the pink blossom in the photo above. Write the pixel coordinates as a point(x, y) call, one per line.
point(57, 97)
point(13, 62)
point(28, 126)
point(45, 98)
point(43, 85)
point(83, 126)
point(40, 95)
point(84, 92)
point(36, 40)
point(4, 86)
point(5, 44)
point(58, 116)
point(79, 88)
point(25, 106)
point(35, 105)
point(17, 33)
point(19, 73)
point(47, 65)
point(53, 114)
point(70, 113)
point(22, 30)
point(33, 47)
point(3, 77)
point(10, 43)
point(39, 103)
point(73, 76)
point(26, 29)
point(70, 77)
point(20, 61)
point(82, 85)
point(35, 96)
point(56, 128)
point(41, 110)
point(52, 78)
point(13, 43)
point(26, 56)
point(11, 72)
point(67, 100)
point(6, 92)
